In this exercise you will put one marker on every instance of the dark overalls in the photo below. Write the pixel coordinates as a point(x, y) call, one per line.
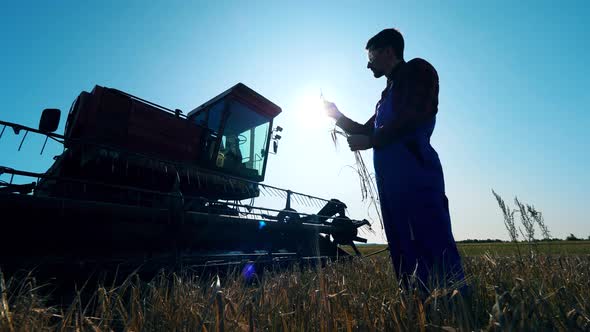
point(414, 205)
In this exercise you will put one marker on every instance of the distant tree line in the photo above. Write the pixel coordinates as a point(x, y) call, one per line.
point(480, 241)
point(570, 237)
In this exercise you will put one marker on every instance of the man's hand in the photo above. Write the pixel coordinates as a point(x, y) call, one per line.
point(331, 110)
point(359, 142)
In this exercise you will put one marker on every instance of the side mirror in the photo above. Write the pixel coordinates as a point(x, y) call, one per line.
point(275, 146)
point(49, 120)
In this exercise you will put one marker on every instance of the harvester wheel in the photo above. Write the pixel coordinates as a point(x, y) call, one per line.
point(288, 216)
point(347, 230)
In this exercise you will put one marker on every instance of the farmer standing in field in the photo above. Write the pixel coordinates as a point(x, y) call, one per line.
point(408, 171)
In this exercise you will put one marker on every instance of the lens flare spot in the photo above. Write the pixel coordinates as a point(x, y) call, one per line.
point(248, 271)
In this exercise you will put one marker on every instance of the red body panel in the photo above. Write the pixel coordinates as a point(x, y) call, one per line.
point(110, 117)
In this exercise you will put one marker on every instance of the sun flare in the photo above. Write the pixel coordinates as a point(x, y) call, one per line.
point(312, 111)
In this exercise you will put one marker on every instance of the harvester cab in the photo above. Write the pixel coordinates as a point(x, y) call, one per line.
point(137, 180)
point(239, 127)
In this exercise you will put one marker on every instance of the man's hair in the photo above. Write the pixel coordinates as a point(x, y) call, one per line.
point(388, 37)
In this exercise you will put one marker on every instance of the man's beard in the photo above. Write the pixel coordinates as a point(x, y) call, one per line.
point(377, 74)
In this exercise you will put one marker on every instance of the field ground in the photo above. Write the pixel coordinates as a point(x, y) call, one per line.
point(504, 248)
point(548, 291)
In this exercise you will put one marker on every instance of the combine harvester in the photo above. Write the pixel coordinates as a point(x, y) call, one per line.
point(141, 184)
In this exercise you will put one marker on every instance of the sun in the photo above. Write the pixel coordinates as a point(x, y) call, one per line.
point(312, 113)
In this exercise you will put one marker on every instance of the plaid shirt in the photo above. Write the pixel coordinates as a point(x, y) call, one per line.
point(415, 100)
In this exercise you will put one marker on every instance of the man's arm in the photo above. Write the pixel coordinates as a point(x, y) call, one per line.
point(355, 128)
point(417, 103)
point(349, 126)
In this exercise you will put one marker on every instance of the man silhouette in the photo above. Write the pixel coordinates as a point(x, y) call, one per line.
point(408, 171)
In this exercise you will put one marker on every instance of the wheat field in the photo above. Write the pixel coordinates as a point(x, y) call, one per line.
point(536, 291)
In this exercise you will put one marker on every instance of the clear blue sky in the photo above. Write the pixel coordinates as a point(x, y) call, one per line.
point(513, 113)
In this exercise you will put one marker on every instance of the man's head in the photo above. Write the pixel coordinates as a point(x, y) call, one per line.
point(385, 51)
